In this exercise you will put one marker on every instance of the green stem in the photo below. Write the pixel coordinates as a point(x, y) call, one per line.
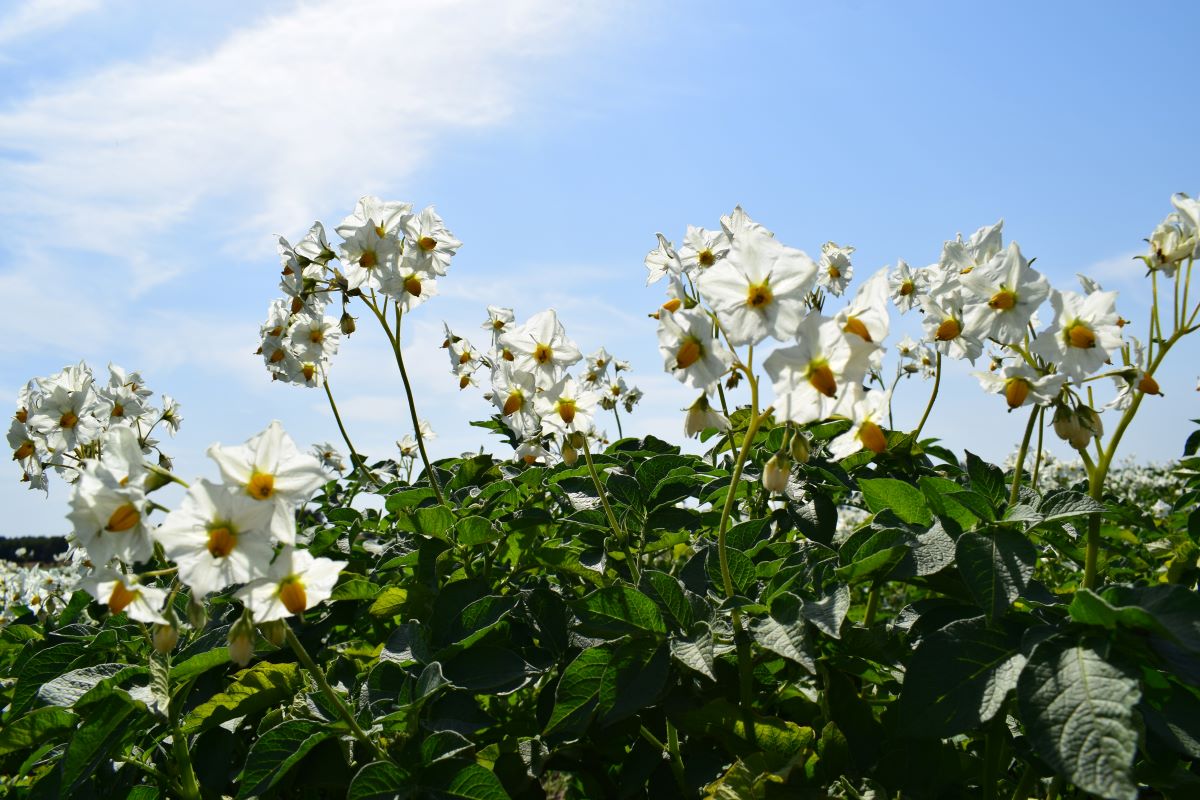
point(166, 473)
point(937, 382)
point(872, 606)
point(738, 465)
point(394, 341)
point(188, 786)
point(1025, 785)
point(676, 758)
point(634, 572)
point(617, 414)
point(354, 456)
point(1016, 479)
point(319, 676)
point(993, 754)
point(1037, 461)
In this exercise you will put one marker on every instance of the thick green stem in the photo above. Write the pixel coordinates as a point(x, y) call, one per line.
point(676, 758)
point(937, 382)
point(355, 458)
point(723, 529)
point(319, 676)
point(872, 606)
point(617, 415)
point(1037, 461)
point(634, 572)
point(188, 787)
point(1016, 478)
point(394, 341)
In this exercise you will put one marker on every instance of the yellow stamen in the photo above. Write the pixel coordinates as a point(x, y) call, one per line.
point(821, 378)
point(872, 437)
point(1003, 300)
point(759, 296)
point(277, 356)
point(566, 410)
point(706, 258)
point(316, 335)
point(427, 243)
point(514, 403)
point(507, 355)
point(948, 330)
point(542, 353)
point(221, 541)
point(261, 485)
point(68, 420)
point(297, 305)
point(412, 285)
point(124, 518)
point(498, 324)
point(907, 288)
point(291, 594)
point(368, 260)
point(380, 231)
point(687, 354)
point(120, 598)
point(465, 357)
point(1015, 392)
point(22, 415)
point(1081, 336)
point(464, 381)
point(834, 273)
point(25, 450)
point(118, 410)
point(1147, 385)
point(673, 304)
point(855, 325)
point(308, 371)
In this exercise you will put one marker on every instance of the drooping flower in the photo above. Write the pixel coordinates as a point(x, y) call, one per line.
point(946, 326)
point(868, 410)
point(701, 416)
point(565, 407)
point(295, 582)
point(760, 289)
point(513, 392)
point(867, 315)
point(123, 593)
point(1022, 385)
point(109, 517)
point(430, 245)
point(662, 261)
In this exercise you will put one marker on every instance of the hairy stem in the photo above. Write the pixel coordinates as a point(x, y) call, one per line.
point(354, 456)
point(634, 572)
point(1016, 479)
point(319, 676)
point(937, 382)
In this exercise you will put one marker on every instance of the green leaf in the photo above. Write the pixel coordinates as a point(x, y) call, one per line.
point(355, 588)
point(472, 782)
point(828, 613)
point(940, 492)
point(42, 666)
point(69, 687)
point(263, 685)
point(996, 566)
point(389, 602)
point(780, 740)
point(904, 500)
point(276, 752)
point(618, 610)
point(90, 745)
point(695, 652)
point(1066, 505)
point(783, 632)
point(987, 479)
point(199, 664)
point(380, 780)
point(633, 680)
point(669, 592)
point(407, 499)
point(472, 531)
point(1078, 713)
point(958, 679)
point(34, 727)
point(741, 569)
point(653, 470)
point(578, 688)
point(432, 521)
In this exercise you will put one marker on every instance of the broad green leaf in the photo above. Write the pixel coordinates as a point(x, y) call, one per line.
point(487, 669)
point(105, 725)
point(996, 566)
point(904, 500)
point(407, 499)
point(653, 470)
point(779, 739)
point(741, 569)
point(695, 652)
point(69, 687)
point(44, 665)
point(380, 780)
point(783, 632)
point(958, 678)
point(873, 566)
point(1066, 504)
point(939, 492)
point(633, 680)
point(263, 685)
point(618, 610)
point(354, 588)
point(32, 728)
point(669, 592)
point(432, 521)
point(389, 602)
point(472, 531)
point(199, 664)
point(579, 687)
point(441, 745)
point(1175, 609)
point(471, 782)
point(276, 752)
point(1078, 713)
point(987, 479)
point(828, 613)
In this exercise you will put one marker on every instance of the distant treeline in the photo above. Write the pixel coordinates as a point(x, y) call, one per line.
point(36, 549)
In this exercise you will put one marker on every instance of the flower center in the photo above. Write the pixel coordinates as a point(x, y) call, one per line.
point(514, 403)
point(872, 437)
point(412, 285)
point(907, 288)
point(1081, 336)
point(498, 324)
point(368, 260)
point(124, 518)
point(22, 415)
point(221, 541)
point(427, 243)
point(543, 353)
point(834, 273)
point(120, 598)
point(855, 325)
point(291, 594)
point(68, 420)
point(673, 304)
point(308, 370)
point(821, 378)
point(759, 296)
point(277, 356)
point(118, 410)
point(948, 330)
point(1147, 385)
point(687, 354)
point(261, 485)
point(566, 410)
point(24, 451)
point(1003, 300)
point(316, 335)
point(1015, 392)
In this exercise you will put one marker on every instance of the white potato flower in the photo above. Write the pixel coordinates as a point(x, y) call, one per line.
point(690, 351)
point(1006, 291)
point(834, 270)
point(945, 325)
point(810, 376)
point(295, 582)
point(566, 407)
point(123, 593)
point(541, 347)
point(1084, 331)
point(109, 517)
point(867, 410)
point(1022, 385)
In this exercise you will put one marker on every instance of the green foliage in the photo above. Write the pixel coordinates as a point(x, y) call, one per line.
point(510, 644)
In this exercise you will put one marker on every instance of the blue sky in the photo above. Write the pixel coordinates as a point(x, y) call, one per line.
point(149, 152)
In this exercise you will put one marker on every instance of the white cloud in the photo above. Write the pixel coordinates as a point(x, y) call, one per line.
point(36, 16)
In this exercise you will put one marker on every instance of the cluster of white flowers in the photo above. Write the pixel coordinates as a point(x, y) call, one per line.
point(63, 420)
point(739, 286)
point(387, 253)
point(536, 398)
point(1133, 484)
point(39, 588)
point(241, 530)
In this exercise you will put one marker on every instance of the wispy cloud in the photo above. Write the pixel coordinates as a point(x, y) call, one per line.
point(36, 16)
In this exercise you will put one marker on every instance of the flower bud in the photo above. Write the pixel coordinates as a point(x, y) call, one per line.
point(346, 323)
point(1147, 385)
point(569, 455)
point(241, 640)
point(196, 613)
point(775, 474)
point(165, 637)
point(801, 450)
point(274, 632)
point(700, 415)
